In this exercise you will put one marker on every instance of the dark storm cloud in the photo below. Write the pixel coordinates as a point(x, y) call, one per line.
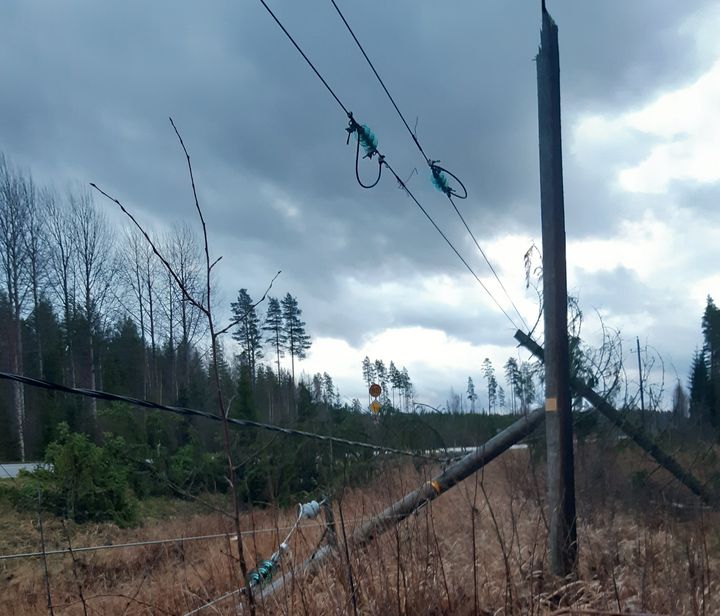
point(618, 291)
point(90, 85)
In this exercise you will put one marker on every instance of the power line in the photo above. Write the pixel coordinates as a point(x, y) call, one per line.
point(302, 53)
point(449, 243)
point(490, 265)
point(382, 83)
point(135, 544)
point(245, 423)
point(362, 133)
point(436, 169)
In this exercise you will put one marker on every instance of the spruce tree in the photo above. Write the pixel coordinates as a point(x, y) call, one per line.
point(699, 388)
point(711, 351)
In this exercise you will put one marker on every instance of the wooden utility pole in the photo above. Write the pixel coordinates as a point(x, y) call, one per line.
point(558, 415)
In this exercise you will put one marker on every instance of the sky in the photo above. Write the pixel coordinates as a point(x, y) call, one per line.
point(88, 87)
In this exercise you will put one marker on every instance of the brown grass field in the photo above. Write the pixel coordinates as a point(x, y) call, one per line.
point(478, 549)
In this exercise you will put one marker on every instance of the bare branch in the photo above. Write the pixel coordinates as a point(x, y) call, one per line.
point(165, 262)
point(215, 262)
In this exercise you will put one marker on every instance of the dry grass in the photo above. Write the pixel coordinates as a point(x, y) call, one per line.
point(480, 548)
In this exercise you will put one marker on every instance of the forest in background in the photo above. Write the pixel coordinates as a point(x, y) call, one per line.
point(86, 304)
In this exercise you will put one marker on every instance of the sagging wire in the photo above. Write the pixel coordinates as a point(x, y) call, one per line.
point(438, 173)
point(402, 185)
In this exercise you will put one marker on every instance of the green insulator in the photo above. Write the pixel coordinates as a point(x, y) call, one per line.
point(263, 573)
point(439, 180)
point(266, 569)
point(368, 140)
point(254, 578)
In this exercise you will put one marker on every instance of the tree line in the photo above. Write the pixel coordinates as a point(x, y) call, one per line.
point(87, 304)
point(704, 400)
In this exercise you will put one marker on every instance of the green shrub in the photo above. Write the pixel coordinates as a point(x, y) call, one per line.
point(196, 471)
point(82, 481)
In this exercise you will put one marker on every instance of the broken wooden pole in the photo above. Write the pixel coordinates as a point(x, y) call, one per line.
point(415, 500)
point(562, 540)
point(636, 434)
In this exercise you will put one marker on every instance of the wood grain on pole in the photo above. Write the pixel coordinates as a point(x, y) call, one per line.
point(562, 541)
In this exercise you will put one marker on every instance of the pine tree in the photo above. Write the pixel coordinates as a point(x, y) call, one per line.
point(317, 388)
point(489, 374)
point(408, 391)
point(679, 402)
point(328, 389)
point(512, 376)
point(526, 385)
point(368, 371)
point(472, 396)
point(395, 380)
point(381, 376)
point(273, 325)
point(247, 331)
point(297, 341)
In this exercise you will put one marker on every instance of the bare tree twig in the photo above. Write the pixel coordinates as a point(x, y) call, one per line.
point(74, 569)
point(216, 374)
point(42, 544)
point(164, 261)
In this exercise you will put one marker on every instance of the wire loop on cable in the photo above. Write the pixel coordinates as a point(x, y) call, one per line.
point(440, 180)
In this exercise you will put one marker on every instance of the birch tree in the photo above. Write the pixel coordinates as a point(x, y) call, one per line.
point(14, 194)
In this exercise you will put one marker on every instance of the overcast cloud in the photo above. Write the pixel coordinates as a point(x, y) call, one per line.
point(88, 86)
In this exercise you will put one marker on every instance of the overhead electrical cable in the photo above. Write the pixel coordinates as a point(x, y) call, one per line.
point(490, 265)
point(439, 173)
point(369, 142)
point(245, 423)
point(449, 243)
